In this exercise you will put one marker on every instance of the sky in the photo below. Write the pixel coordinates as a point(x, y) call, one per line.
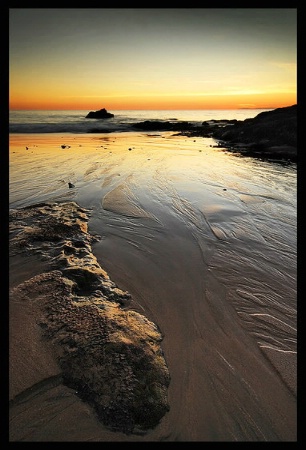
point(152, 58)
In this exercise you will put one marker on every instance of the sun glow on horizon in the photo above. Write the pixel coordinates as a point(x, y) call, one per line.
point(152, 58)
point(128, 102)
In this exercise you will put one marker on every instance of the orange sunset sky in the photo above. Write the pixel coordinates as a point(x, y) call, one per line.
point(152, 58)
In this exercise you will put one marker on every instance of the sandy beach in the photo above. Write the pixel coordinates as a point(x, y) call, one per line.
point(204, 243)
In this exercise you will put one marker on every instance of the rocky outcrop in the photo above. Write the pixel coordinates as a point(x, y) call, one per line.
point(101, 114)
point(109, 355)
point(270, 133)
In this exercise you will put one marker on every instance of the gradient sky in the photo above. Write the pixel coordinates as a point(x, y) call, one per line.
point(152, 58)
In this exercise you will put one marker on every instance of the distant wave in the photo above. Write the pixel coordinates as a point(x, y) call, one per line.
point(92, 127)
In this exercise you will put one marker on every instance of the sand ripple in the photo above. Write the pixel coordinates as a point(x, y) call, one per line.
point(122, 200)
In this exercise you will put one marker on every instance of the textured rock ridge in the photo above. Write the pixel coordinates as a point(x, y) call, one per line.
point(110, 356)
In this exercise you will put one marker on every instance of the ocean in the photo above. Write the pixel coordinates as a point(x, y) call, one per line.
point(76, 122)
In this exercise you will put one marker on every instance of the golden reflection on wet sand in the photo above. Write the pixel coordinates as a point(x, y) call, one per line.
point(205, 242)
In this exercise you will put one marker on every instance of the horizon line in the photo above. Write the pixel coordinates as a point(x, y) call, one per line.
point(151, 109)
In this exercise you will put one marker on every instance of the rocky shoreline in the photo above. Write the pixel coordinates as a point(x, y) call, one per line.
point(269, 135)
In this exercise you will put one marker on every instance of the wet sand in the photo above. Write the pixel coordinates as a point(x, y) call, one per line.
point(205, 243)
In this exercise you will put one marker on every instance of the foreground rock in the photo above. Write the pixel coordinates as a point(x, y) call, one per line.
point(110, 356)
point(101, 114)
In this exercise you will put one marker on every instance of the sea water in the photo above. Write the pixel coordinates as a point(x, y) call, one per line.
point(123, 120)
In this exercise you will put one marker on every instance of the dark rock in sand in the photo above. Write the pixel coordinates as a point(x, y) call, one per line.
point(101, 114)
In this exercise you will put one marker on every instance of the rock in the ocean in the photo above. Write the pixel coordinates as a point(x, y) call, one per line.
point(101, 114)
